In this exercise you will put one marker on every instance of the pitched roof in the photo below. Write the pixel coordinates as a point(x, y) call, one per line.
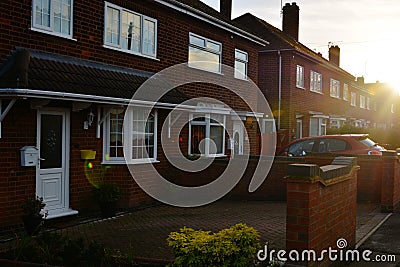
point(282, 40)
point(38, 70)
point(207, 13)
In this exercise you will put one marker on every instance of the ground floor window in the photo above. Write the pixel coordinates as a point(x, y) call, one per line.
point(207, 134)
point(139, 134)
point(317, 126)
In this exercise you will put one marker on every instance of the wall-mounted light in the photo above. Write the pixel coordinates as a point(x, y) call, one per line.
point(89, 120)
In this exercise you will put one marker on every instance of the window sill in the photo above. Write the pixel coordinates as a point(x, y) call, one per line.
point(300, 87)
point(123, 162)
point(316, 92)
point(53, 33)
point(209, 71)
point(333, 96)
point(129, 52)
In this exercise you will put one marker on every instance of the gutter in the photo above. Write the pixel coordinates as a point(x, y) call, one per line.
point(25, 93)
point(188, 10)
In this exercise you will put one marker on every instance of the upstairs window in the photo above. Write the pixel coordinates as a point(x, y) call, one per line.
point(130, 32)
point(346, 92)
point(315, 82)
point(300, 76)
point(368, 103)
point(53, 16)
point(353, 99)
point(335, 88)
point(204, 53)
point(241, 61)
point(362, 101)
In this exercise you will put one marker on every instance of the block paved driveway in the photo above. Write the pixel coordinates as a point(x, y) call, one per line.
point(144, 232)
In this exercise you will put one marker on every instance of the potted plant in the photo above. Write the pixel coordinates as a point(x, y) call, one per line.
point(107, 195)
point(33, 218)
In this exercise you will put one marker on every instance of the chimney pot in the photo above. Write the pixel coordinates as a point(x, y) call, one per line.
point(290, 20)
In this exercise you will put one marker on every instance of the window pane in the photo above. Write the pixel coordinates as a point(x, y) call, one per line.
point(112, 31)
point(210, 60)
point(198, 134)
point(216, 134)
point(313, 126)
point(142, 134)
point(197, 41)
point(148, 37)
point(240, 55)
point(116, 135)
point(214, 46)
point(301, 148)
point(240, 70)
point(43, 13)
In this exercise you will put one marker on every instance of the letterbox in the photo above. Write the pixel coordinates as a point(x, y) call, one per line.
point(29, 156)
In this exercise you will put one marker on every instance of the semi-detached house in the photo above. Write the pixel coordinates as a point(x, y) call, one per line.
point(70, 68)
point(306, 92)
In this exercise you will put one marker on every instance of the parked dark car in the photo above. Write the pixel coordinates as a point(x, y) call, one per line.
point(336, 144)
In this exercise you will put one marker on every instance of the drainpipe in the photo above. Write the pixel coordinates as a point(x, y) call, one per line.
point(279, 89)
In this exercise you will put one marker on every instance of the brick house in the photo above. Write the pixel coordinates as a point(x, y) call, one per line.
point(68, 72)
point(306, 92)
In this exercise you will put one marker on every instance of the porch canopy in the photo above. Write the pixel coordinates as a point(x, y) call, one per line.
point(32, 73)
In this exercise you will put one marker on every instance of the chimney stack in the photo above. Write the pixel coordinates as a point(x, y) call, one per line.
point(225, 8)
point(290, 20)
point(334, 55)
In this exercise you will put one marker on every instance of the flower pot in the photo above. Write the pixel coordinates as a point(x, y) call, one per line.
point(32, 224)
point(108, 209)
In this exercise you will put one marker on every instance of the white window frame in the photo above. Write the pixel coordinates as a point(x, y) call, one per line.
point(353, 99)
point(315, 82)
point(207, 123)
point(127, 140)
point(206, 49)
point(362, 101)
point(118, 46)
point(335, 88)
point(300, 77)
point(50, 30)
point(321, 125)
point(345, 92)
point(368, 103)
point(238, 74)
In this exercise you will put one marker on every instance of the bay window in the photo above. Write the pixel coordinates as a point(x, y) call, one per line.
point(138, 134)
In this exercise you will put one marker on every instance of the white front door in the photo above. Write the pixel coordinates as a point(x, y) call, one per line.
point(238, 138)
point(52, 171)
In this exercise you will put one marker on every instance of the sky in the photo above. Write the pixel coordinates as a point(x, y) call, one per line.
point(367, 31)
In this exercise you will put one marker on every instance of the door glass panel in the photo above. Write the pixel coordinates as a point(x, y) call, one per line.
point(51, 141)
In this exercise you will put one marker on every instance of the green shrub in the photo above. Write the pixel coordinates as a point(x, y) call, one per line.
point(235, 246)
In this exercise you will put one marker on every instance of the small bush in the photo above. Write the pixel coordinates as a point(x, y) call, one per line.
point(235, 246)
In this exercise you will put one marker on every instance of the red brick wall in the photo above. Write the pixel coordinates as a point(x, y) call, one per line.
point(390, 182)
point(19, 127)
point(297, 101)
point(318, 215)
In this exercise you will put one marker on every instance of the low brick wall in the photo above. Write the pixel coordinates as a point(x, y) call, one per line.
point(390, 190)
point(321, 208)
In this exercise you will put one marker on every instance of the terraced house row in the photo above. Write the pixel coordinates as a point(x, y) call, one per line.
point(69, 70)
